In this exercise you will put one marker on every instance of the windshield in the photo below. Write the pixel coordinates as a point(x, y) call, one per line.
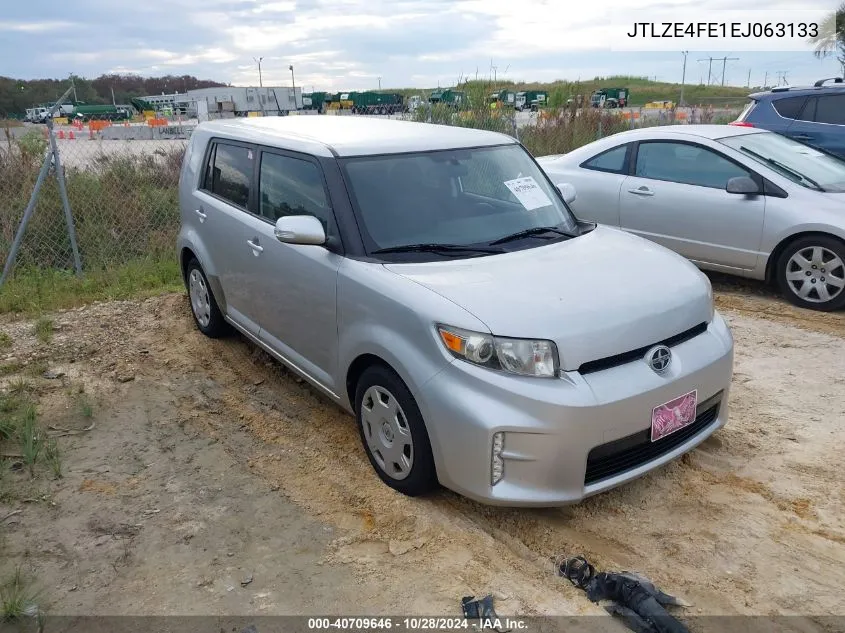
point(791, 159)
point(456, 197)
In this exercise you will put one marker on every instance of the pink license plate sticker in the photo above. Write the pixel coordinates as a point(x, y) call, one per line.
point(673, 415)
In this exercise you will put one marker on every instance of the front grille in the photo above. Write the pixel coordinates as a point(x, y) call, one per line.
point(622, 455)
point(634, 354)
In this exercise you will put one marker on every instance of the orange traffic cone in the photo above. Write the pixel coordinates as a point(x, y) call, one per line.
point(61, 134)
point(70, 135)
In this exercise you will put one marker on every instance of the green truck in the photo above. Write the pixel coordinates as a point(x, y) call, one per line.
point(531, 100)
point(86, 112)
point(367, 102)
point(315, 101)
point(610, 98)
point(448, 96)
point(502, 99)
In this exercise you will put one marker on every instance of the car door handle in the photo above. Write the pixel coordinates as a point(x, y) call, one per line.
point(255, 247)
point(802, 137)
point(642, 191)
point(201, 215)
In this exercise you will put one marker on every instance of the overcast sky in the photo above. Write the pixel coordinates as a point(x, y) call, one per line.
point(349, 44)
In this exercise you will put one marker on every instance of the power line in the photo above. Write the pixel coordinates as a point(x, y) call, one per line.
point(710, 61)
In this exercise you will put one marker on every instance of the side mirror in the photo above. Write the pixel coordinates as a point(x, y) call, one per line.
point(567, 191)
point(300, 229)
point(742, 185)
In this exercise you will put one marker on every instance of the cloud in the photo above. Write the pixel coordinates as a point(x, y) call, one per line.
point(350, 44)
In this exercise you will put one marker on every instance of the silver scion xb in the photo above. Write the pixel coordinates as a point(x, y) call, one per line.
point(432, 281)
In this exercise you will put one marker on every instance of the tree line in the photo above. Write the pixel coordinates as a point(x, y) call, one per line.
point(16, 95)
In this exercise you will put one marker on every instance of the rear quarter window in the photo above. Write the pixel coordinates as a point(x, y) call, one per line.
point(789, 107)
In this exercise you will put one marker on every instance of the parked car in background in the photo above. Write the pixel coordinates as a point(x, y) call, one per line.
point(732, 199)
point(812, 115)
point(433, 282)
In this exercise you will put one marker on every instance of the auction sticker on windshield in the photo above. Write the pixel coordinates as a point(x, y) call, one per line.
point(673, 415)
point(528, 192)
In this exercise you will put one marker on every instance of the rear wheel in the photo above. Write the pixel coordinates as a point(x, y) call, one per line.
point(393, 432)
point(204, 308)
point(811, 273)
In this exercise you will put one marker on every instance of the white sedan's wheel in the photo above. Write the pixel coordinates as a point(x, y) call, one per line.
point(811, 273)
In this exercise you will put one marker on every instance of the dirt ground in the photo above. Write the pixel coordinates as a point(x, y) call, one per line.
point(215, 482)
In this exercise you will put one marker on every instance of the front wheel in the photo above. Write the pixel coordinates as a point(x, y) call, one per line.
point(811, 273)
point(393, 432)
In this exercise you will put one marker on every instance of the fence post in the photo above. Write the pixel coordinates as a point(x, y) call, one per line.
point(60, 176)
point(600, 127)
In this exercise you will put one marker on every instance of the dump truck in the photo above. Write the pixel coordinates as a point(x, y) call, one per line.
point(315, 101)
point(377, 103)
point(86, 112)
point(610, 98)
point(502, 99)
point(448, 96)
point(531, 100)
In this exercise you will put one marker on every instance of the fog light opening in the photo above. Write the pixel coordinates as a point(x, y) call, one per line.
point(497, 462)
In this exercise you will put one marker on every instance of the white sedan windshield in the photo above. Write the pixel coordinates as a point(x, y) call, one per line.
point(796, 161)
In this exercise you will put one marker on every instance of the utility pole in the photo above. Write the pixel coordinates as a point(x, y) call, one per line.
point(293, 83)
point(782, 77)
point(260, 80)
point(766, 79)
point(748, 83)
point(379, 83)
point(683, 77)
point(724, 63)
point(113, 102)
point(73, 85)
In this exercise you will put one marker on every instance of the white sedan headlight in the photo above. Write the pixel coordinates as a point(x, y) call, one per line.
point(524, 357)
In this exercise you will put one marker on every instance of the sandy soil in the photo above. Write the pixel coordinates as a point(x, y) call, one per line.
point(209, 463)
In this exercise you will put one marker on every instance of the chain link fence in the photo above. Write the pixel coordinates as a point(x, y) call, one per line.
point(123, 195)
point(122, 176)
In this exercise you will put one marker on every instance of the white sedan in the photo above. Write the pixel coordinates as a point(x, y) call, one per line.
point(732, 199)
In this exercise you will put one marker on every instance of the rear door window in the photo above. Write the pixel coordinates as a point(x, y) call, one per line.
point(789, 107)
point(612, 160)
point(229, 173)
point(831, 109)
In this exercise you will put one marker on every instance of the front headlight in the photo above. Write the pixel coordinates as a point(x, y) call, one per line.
point(524, 357)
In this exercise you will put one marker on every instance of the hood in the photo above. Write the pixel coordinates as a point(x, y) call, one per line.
point(597, 295)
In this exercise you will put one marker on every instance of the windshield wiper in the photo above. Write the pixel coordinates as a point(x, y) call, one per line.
point(537, 230)
point(781, 166)
point(437, 248)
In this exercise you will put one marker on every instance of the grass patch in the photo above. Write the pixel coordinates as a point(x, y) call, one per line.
point(43, 329)
point(53, 457)
point(7, 369)
point(19, 597)
point(31, 291)
point(31, 437)
point(5, 340)
point(36, 368)
point(84, 405)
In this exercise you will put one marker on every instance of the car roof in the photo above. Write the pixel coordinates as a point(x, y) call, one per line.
point(711, 131)
point(350, 135)
point(798, 91)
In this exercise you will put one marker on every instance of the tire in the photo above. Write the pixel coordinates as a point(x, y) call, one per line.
point(806, 269)
point(204, 309)
point(405, 433)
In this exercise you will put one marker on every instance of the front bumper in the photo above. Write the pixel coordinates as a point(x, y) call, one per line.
point(552, 425)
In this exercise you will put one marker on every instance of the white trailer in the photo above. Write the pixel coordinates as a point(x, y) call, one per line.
point(241, 101)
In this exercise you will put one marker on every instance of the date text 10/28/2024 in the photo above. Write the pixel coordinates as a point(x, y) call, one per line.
point(682, 30)
point(414, 624)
